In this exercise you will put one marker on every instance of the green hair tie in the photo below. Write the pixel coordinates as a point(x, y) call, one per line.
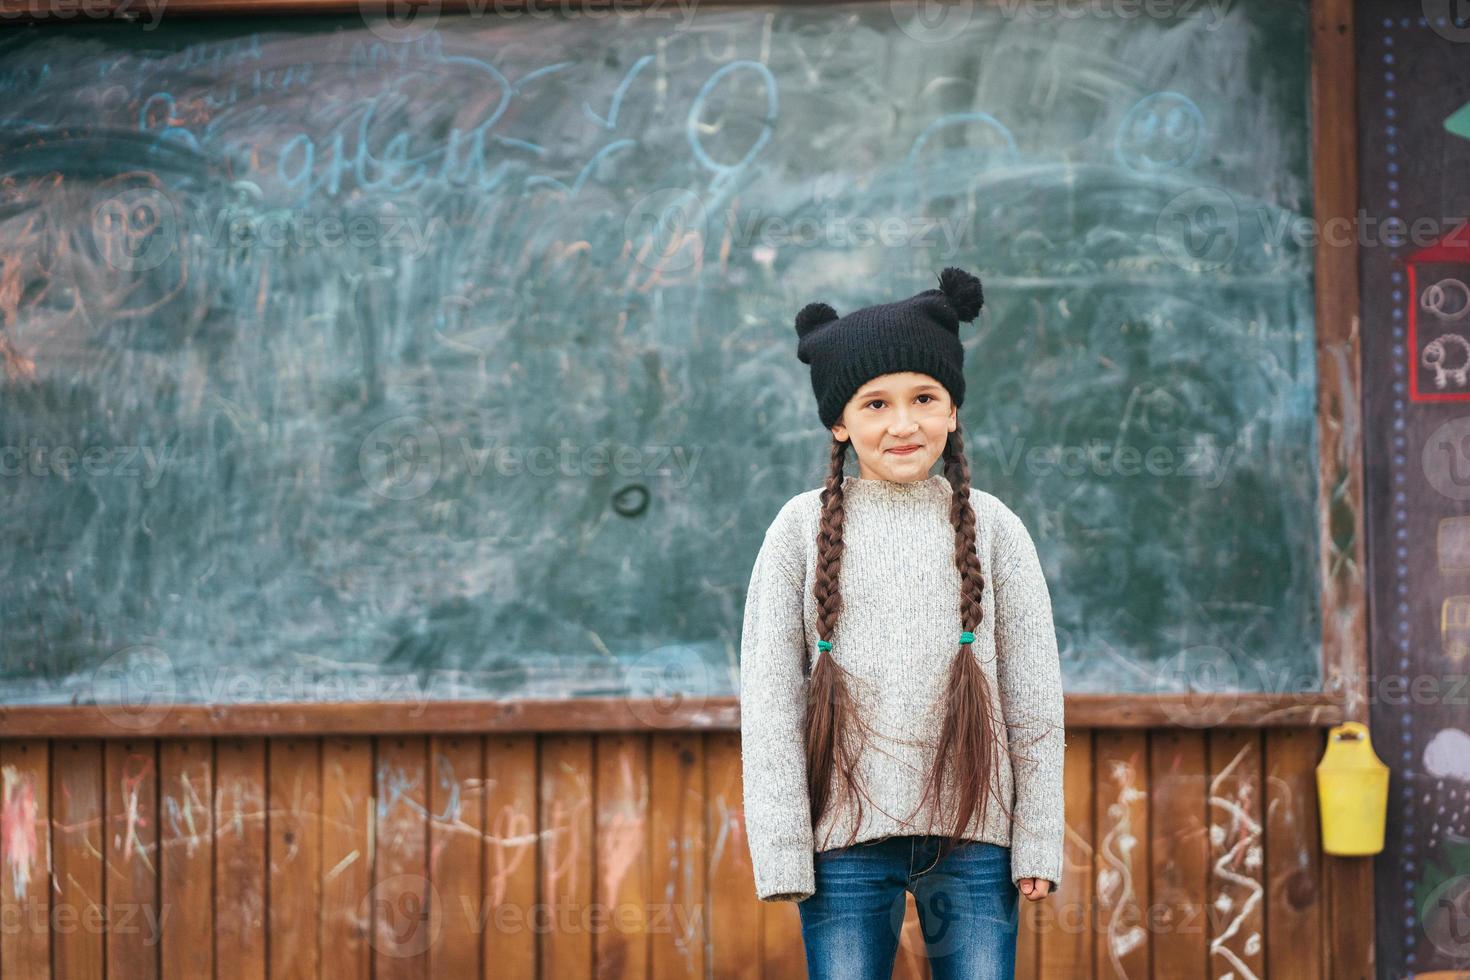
point(823, 645)
point(967, 637)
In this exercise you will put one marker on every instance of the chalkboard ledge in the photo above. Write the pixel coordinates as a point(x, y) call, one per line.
point(1184, 711)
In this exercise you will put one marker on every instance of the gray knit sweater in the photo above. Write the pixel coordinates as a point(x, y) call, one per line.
point(897, 633)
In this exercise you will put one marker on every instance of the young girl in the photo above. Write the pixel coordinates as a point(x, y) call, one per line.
point(900, 690)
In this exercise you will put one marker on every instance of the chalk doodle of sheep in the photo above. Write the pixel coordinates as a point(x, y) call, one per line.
point(1440, 350)
point(1448, 354)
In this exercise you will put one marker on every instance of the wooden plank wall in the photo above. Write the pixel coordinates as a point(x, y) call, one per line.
point(1190, 854)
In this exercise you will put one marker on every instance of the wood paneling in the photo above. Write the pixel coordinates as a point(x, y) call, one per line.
point(1294, 865)
point(566, 858)
point(1179, 853)
point(1065, 918)
point(130, 837)
point(456, 854)
point(1188, 854)
point(347, 855)
point(401, 893)
point(293, 855)
point(76, 860)
point(239, 856)
point(512, 852)
point(25, 888)
point(1236, 888)
point(186, 857)
point(1121, 870)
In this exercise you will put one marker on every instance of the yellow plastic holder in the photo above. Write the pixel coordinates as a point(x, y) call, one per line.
point(1352, 792)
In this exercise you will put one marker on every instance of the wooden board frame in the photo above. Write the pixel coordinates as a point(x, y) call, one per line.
point(1344, 693)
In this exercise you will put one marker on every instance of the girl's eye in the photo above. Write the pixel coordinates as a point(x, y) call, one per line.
point(879, 401)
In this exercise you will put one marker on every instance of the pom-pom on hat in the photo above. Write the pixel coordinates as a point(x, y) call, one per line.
point(921, 333)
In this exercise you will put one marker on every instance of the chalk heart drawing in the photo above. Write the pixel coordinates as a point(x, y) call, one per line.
point(663, 685)
point(397, 915)
point(399, 21)
point(134, 688)
point(667, 227)
point(401, 457)
point(1209, 678)
point(1198, 230)
point(1446, 458)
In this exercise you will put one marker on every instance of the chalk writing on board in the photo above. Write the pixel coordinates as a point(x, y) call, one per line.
point(461, 361)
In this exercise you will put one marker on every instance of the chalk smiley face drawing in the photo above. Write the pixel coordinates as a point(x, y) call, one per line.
point(1162, 131)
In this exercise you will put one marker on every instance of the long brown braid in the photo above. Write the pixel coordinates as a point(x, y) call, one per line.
point(831, 737)
point(967, 745)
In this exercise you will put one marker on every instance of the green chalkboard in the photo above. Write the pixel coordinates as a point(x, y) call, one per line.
point(455, 359)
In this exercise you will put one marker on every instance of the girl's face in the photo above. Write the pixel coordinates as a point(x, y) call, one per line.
point(893, 412)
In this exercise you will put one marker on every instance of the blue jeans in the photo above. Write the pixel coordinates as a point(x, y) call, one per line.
point(968, 909)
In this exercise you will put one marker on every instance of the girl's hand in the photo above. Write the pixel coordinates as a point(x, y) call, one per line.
point(1034, 888)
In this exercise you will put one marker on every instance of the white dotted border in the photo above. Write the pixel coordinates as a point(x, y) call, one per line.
point(1400, 514)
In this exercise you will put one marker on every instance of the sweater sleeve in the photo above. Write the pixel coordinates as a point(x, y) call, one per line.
point(773, 689)
point(1029, 670)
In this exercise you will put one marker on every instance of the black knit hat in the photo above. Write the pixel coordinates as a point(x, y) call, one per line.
point(921, 333)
